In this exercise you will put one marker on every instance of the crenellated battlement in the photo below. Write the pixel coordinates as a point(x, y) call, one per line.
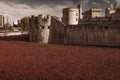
point(40, 28)
point(44, 20)
point(41, 21)
point(91, 30)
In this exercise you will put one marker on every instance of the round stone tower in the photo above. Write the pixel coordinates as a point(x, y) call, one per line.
point(71, 16)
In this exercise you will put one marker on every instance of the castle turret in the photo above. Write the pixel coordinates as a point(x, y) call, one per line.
point(48, 20)
point(40, 28)
point(80, 11)
point(70, 16)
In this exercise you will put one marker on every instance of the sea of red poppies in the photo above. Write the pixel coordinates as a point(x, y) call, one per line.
point(32, 61)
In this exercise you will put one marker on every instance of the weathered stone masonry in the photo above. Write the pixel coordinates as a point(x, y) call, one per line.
point(103, 31)
point(96, 33)
point(46, 30)
point(57, 30)
point(40, 29)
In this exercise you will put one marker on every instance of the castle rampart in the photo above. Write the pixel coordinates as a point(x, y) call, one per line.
point(106, 34)
point(103, 31)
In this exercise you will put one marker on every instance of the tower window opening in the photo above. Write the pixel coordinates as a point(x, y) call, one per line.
point(43, 27)
point(76, 19)
point(48, 27)
point(76, 14)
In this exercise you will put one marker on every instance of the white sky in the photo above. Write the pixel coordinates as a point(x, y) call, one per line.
point(18, 11)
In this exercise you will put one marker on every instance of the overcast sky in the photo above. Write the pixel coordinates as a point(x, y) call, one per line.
point(16, 9)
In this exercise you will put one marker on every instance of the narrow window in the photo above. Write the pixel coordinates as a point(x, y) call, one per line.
point(67, 14)
point(43, 27)
point(76, 19)
point(48, 27)
point(76, 14)
point(67, 18)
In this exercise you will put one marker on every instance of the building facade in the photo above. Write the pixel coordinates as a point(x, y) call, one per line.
point(1, 21)
point(92, 13)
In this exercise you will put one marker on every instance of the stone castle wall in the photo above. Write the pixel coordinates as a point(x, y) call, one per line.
point(57, 30)
point(105, 32)
point(40, 29)
point(101, 33)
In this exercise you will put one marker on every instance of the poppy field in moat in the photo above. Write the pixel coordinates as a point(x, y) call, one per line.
point(31, 61)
